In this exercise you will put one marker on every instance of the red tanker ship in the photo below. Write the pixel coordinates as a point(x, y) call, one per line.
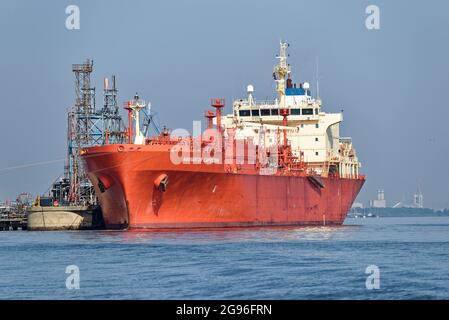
point(268, 163)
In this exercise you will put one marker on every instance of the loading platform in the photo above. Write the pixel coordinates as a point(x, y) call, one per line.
point(13, 222)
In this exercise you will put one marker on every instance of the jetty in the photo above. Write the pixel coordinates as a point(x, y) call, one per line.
point(13, 221)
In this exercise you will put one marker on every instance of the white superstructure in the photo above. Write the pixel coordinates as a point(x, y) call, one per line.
point(313, 134)
point(136, 105)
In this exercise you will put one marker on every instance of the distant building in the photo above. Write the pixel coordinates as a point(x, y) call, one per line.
point(380, 202)
point(357, 205)
point(418, 199)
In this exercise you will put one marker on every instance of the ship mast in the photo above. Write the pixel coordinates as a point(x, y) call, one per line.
point(281, 71)
point(135, 106)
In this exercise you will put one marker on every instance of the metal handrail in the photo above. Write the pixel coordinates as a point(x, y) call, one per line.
point(257, 103)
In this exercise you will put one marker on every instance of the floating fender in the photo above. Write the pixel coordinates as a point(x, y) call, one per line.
point(161, 182)
point(104, 183)
point(316, 181)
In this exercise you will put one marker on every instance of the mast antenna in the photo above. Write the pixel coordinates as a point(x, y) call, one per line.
point(317, 76)
point(281, 70)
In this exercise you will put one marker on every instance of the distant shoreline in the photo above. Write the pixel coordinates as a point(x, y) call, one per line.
point(399, 212)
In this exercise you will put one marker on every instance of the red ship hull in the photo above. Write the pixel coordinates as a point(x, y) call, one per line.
point(201, 195)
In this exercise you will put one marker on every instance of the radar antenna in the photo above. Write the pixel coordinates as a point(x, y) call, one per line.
point(281, 71)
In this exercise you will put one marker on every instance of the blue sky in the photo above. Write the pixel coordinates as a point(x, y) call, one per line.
point(391, 82)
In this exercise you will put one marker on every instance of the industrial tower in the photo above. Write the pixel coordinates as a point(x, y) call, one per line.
point(88, 127)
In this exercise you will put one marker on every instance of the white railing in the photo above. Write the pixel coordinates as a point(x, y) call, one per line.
point(346, 140)
point(257, 103)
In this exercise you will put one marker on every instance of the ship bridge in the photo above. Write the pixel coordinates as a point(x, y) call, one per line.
point(313, 134)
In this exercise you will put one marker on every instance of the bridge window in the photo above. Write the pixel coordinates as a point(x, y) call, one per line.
point(244, 113)
point(307, 111)
point(255, 113)
point(316, 111)
point(274, 112)
point(265, 112)
point(295, 112)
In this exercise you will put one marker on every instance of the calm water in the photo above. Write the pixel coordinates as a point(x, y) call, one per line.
point(299, 263)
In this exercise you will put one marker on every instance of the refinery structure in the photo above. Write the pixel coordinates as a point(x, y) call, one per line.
point(90, 124)
point(72, 200)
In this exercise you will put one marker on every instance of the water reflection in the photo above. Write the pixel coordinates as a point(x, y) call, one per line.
point(382, 229)
point(225, 235)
